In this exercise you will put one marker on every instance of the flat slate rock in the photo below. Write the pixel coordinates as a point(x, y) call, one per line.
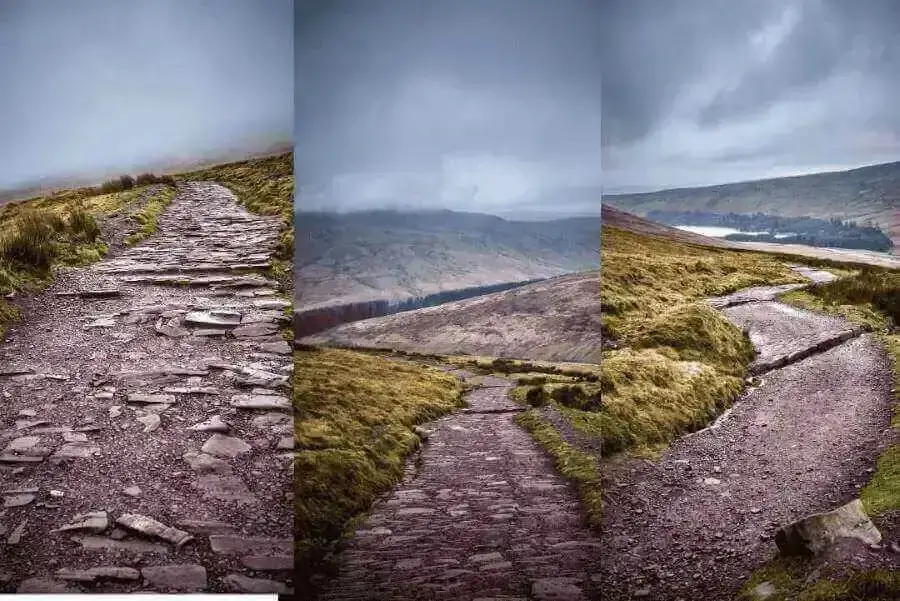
point(215, 318)
point(225, 446)
point(204, 463)
point(225, 488)
point(259, 401)
point(239, 583)
point(189, 577)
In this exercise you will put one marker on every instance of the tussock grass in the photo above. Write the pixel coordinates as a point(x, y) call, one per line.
point(147, 216)
point(354, 414)
point(679, 362)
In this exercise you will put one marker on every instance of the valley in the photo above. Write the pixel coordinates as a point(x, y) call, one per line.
point(865, 193)
point(635, 376)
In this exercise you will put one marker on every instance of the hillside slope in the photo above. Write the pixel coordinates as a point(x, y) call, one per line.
point(374, 255)
point(613, 217)
point(556, 319)
point(865, 193)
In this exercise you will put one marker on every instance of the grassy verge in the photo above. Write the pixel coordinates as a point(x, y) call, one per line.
point(577, 466)
point(678, 362)
point(871, 298)
point(354, 414)
point(266, 187)
point(40, 234)
point(147, 216)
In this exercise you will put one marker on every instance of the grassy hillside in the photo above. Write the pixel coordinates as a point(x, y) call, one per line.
point(395, 255)
point(860, 194)
point(63, 229)
point(556, 319)
point(353, 419)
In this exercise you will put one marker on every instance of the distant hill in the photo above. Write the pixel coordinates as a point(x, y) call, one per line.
point(615, 218)
point(867, 193)
point(383, 255)
point(555, 320)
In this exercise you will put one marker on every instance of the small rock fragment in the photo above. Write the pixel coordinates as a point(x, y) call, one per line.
point(96, 521)
point(151, 422)
point(213, 424)
point(150, 527)
point(15, 536)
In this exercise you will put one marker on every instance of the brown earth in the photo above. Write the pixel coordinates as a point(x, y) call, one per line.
point(696, 522)
point(554, 320)
point(106, 381)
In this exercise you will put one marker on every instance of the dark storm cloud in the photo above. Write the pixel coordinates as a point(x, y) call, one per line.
point(470, 104)
point(94, 85)
point(700, 92)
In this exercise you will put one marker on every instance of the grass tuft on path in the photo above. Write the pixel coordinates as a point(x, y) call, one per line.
point(353, 420)
point(147, 216)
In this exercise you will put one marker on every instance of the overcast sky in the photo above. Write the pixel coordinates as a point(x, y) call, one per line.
point(479, 105)
point(704, 91)
point(90, 85)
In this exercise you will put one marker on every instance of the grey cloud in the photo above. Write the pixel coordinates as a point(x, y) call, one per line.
point(96, 85)
point(469, 105)
point(705, 92)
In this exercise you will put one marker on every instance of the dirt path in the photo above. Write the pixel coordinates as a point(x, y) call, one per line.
point(123, 397)
point(481, 514)
point(698, 521)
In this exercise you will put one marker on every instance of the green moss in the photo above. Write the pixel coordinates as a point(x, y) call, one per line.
point(797, 580)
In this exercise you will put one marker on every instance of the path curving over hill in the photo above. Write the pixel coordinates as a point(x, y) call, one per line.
point(145, 427)
point(695, 523)
point(480, 514)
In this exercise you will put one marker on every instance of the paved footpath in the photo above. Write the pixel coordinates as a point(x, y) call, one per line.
point(481, 514)
point(145, 425)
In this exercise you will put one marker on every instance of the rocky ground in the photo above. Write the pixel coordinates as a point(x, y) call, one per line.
point(695, 523)
point(145, 426)
point(481, 514)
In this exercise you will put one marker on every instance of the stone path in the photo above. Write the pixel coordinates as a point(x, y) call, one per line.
point(481, 514)
point(145, 424)
point(697, 522)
